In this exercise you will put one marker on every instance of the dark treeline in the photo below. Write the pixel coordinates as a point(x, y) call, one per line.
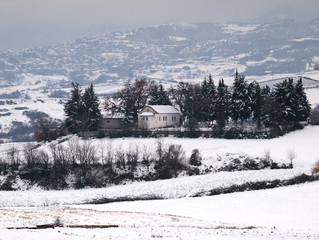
point(75, 163)
point(78, 164)
point(216, 107)
point(206, 104)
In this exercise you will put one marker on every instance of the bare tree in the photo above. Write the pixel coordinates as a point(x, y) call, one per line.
point(30, 154)
point(291, 156)
point(132, 156)
point(120, 157)
point(109, 153)
point(147, 156)
point(268, 157)
point(43, 158)
point(13, 156)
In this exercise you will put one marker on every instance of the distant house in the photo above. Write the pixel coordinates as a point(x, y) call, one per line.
point(158, 116)
point(113, 122)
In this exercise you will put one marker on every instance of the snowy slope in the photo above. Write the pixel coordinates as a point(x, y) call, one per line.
point(283, 213)
point(304, 143)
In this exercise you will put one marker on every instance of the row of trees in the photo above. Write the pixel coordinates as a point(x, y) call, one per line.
point(81, 163)
point(285, 105)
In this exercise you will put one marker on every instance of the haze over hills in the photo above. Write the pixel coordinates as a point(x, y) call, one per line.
point(33, 81)
point(169, 53)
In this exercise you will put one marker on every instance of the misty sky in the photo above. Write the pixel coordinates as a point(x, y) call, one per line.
point(31, 23)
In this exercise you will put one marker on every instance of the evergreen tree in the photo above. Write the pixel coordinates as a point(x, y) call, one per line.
point(92, 113)
point(158, 96)
point(303, 110)
point(208, 97)
point(74, 110)
point(256, 101)
point(193, 108)
point(270, 112)
point(266, 98)
point(285, 97)
point(82, 111)
point(222, 104)
point(240, 101)
point(204, 116)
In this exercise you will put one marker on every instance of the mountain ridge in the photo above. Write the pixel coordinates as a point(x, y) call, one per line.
point(170, 53)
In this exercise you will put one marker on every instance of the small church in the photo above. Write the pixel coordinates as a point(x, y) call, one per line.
point(158, 116)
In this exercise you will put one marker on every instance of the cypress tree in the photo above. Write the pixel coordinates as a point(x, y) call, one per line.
point(240, 101)
point(74, 110)
point(284, 95)
point(92, 113)
point(159, 96)
point(208, 95)
point(256, 101)
point(222, 104)
point(303, 109)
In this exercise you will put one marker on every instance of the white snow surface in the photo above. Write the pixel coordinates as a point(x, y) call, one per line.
point(282, 213)
point(164, 109)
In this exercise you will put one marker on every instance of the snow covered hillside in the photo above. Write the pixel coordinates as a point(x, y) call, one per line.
point(281, 213)
point(303, 143)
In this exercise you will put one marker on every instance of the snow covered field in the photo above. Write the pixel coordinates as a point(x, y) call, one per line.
point(281, 213)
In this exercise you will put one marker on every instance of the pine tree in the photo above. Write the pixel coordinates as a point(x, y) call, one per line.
point(74, 110)
point(92, 113)
point(256, 101)
point(82, 111)
point(158, 96)
point(222, 104)
point(303, 110)
point(285, 97)
point(266, 100)
point(270, 112)
point(192, 108)
point(204, 115)
point(240, 101)
point(208, 95)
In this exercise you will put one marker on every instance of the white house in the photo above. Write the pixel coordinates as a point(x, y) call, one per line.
point(158, 116)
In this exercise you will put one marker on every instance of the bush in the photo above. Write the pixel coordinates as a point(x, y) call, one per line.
point(315, 169)
point(195, 159)
point(170, 161)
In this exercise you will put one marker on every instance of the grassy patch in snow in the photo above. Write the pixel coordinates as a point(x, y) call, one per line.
point(124, 199)
point(251, 186)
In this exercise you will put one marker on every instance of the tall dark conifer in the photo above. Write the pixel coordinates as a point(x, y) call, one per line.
point(222, 104)
point(74, 110)
point(158, 96)
point(240, 101)
point(284, 95)
point(256, 101)
point(208, 95)
point(303, 110)
point(92, 113)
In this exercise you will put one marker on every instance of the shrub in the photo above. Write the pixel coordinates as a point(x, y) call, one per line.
point(195, 159)
point(171, 163)
point(315, 169)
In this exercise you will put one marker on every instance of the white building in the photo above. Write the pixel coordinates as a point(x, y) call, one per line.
point(158, 116)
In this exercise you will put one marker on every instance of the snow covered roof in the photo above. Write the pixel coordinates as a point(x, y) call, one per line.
point(164, 109)
point(115, 116)
point(148, 114)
